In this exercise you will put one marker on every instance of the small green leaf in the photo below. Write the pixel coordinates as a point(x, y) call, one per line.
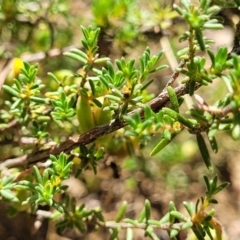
point(165, 218)
point(11, 90)
point(121, 211)
point(141, 216)
point(192, 85)
point(131, 221)
point(179, 216)
point(213, 26)
point(53, 77)
point(154, 222)
point(213, 9)
point(213, 184)
point(45, 176)
point(162, 144)
point(113, 98)
point(183, 52)
point(188, 123)
point(97, 103)
point(213, 201)
point(212, 57)
point(167, 134)
point(186, 4)
point(178, 9)
point(174, 232)
point(199, 37)
point(37, 175)
point(8, 194)
point(80, 226)
point(190, 207)
point(187, 225)
point(207, 182)
point(199, 231)
point(38, 99)
point(221, 55)
point(213, 144)
point(7, 180)
point(236, 132)
point(204, 4)
point(124, 109)
point(211, 212)
point(223, 185)
point(76, 57)
point(204, 152)
point(147, 84)
point(99, 214)
point(16, 104)
point(114, 233)
point(80, 53)
point(92, 86)
point(150, 233)
point(159, 68)
point(173, 98)
point(171, 208)
point(102, 60)
point(129, 234)
point(148, 113)
point(147, 209)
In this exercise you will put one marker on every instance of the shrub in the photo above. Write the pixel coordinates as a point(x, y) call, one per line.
point(76, 120)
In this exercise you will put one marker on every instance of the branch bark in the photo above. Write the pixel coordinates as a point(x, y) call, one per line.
point(156, 105)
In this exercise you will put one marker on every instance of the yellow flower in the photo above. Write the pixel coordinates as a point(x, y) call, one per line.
point(17, 65)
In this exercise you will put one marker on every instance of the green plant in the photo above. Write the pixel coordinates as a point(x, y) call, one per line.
point(105, 96)
point(35, 20)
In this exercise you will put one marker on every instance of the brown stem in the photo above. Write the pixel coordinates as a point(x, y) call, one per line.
point(40, 155)
point(175, 74)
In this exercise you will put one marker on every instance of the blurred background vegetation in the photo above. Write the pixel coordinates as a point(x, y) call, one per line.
point(39, 31)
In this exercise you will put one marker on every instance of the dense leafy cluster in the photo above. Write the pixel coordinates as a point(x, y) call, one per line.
point(105, 94)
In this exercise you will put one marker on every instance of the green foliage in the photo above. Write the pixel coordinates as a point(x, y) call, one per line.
point(104, 96)
point(6, 187)
point(47, 183)
point(127, 84)
point(75, 216)
point(32, 23)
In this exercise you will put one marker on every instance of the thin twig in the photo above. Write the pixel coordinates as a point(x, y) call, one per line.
point(111, 224)
point(164, 226)
point(188, 99)
point(156, 105)
point(175, 74)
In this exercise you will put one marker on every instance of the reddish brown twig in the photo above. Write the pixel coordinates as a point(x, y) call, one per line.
point(156, 104)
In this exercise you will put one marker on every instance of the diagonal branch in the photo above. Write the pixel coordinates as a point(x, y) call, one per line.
point(156, 105)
